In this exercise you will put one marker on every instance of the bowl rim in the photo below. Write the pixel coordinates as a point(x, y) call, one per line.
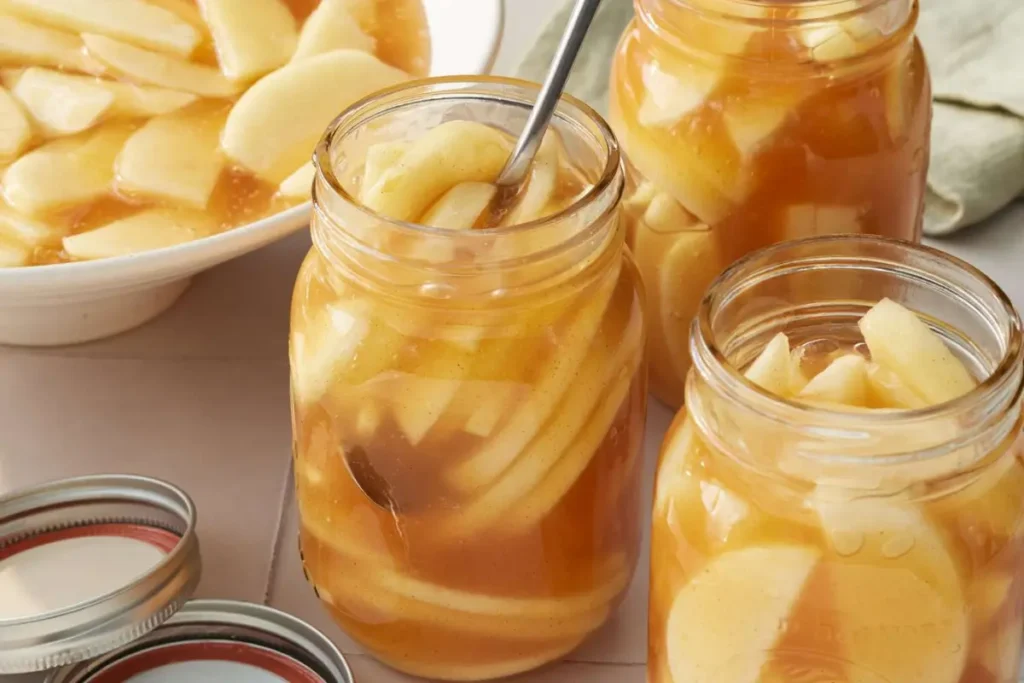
point(181, 260)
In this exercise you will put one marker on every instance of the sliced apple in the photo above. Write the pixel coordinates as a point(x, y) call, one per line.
point(332, 26)
point(252, 37)
point(761, 583)
point(299, 184)
point(692, 263)
point(813, 220)
point(843, 382)
point(185, 10)
point(682, 172)
point(134, 21)
point(733, 35)
point(141, 101)
point(888, 390)
point(379, 158)
point(145, 231)
point(460, 207)
point(173, 157)
point(275, 125)
point(61, 104)
point(26, 230)
point(891, 573)
point(669, 97)
point(322, 346)
point(555, 379)
point(665, 215)
point(491, 407)
point(897, 92)
point(451, 153)
point(754, 120)
point(541, 185)
point(839, 30)
point(772, 370)
point(25, 43)
point(154, 68)
point(15, 129)
point(84, 165)
point(903, 343)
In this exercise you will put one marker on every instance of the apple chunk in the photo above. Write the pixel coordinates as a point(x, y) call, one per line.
point(154, 68)
point(332, 26)
point(67, 171)
point(174, 157)
point(25, 43)
point(843, 382)
point(135, 21)
point(773, 369)
point(252, 37)
point(299, 184)
point(61, 104)
point(275, 125)
point(152, 229)
point(903, 343)
point(15, 129)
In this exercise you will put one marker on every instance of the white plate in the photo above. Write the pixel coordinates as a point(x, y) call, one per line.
point(70, 303)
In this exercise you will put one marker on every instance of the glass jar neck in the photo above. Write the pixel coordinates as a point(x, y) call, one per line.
point(465, 268)
point(819, 289)
point(781, 33)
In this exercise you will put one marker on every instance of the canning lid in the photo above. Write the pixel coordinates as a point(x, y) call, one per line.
point(95, 578)
point(90, 564)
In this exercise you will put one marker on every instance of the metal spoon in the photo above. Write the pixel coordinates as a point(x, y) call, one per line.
point(517, 168)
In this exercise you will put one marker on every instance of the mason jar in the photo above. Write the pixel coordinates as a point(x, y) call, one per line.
point(815, 542)
point(468, 406)
point(750, 123)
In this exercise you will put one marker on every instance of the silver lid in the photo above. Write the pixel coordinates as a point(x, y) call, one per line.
point(111, 506)
point(247, 628)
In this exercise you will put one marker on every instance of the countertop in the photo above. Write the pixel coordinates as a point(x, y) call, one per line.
point(199, 397)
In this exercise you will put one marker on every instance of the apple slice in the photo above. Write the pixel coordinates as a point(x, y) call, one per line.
point(26, 230)
point(667, 216)
point(25, 43)
point(134, 21)
point(275, 125)
point(754, 120)
point(813, 220)
point(555, 378)
point(451, 153)
point(541, 185)
point(843, 382)
point(15, 129)
point(460, 207)
point(141, 101)
point(145, 231)
point(694, 260)
point(84, 164)
point(772, 370)
point(681, 171)
point(492, 406)
point(322, 346)
point(61, 104)
point(706, 643)
point(175, 157)
point(903, 343)
point(332, 26)
point(838, 31)
point(887, 389)
point(895, 589)
point(669, 97)
point(154, 68)
point(379, 158)
point(252, 37)
point(299, 185)
point(185, 10)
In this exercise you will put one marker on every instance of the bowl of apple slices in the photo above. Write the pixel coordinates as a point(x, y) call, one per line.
point(144, 141)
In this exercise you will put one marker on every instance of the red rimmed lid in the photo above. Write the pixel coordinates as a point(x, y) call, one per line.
point(219, 641)
point(89, 564)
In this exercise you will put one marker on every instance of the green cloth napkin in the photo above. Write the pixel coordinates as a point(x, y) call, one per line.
point(975, 49)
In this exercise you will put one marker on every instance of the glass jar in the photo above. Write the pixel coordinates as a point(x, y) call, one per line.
point(468, 406)
point(750, 123)
point(809, 543)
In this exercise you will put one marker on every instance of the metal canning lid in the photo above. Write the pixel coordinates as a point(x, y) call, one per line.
point(90, 564)
point(224, 641)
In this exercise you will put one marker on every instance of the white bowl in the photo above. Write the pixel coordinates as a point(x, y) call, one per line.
point(70, 303)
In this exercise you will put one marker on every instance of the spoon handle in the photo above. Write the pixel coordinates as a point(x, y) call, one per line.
point(529, 140)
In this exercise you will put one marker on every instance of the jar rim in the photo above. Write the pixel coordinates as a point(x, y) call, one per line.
point(442, 87)
point(711, 361)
